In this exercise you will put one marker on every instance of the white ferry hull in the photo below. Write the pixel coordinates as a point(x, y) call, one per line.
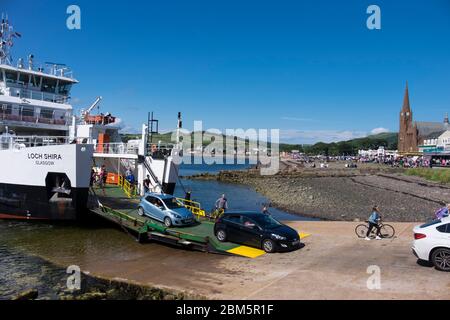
point(45, 183)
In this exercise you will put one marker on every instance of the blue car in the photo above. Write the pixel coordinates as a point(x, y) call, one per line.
point(165, 208)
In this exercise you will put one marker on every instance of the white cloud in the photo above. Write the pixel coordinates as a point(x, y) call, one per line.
point(379, 130)
point(125, 128)
point(297, 119)
point(314, 136)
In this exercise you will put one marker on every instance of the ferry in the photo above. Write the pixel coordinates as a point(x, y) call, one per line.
point(48, 153)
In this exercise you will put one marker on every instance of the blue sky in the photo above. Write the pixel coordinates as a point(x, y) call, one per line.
point(309, 68)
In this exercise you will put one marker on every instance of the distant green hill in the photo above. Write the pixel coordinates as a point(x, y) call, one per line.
point(163, 137)
point(350, 147)
point(387, 140)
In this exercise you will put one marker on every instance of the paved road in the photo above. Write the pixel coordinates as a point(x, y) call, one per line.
point(332, 265)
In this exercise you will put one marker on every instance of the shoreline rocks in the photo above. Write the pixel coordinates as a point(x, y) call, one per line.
point(95, 288)
point(343, 194)
point(30, 294)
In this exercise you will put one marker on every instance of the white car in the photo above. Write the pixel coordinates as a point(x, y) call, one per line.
point(432, 243)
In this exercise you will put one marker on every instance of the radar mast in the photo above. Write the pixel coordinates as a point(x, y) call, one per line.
point(7, 36)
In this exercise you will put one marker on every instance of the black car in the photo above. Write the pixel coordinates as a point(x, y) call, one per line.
point(257, 230)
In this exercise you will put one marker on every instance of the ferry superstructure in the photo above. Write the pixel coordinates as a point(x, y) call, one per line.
point(47, 152)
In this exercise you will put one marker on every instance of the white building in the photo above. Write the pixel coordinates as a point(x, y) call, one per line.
point(444, 140)
point(380, 152)
point(439, 144)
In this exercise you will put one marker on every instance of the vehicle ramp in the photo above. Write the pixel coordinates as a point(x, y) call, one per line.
point(117, 207)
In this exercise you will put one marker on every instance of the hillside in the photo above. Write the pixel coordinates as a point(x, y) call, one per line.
point(350, 147)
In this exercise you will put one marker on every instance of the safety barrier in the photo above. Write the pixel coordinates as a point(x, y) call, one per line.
point(127, 187)
point(192, 206)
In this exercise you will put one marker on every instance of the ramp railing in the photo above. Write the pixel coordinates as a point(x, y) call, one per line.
point(192, 206)
point(127, 187)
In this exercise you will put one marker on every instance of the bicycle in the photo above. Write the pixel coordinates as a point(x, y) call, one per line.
point(387, 231)
point(215, 214)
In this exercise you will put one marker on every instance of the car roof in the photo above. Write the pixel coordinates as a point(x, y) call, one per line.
point(242, 213)
point(159, 195)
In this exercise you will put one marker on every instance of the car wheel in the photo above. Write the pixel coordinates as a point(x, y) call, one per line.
point(221, 235)
point(167, 222)
point(268, 246)
point(441, 259)
point(141, 211)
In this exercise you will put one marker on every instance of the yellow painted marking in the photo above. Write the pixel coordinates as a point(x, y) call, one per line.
point(303, 235)
point(247, 252)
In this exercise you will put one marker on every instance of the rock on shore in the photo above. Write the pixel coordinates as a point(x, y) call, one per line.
point(94, 288)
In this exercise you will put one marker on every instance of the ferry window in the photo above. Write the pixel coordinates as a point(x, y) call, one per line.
point(11, 77)
point(48, 85)
point(6, 108)
point(35, 80)
point(28, 111)
point(47, 113)
point(60, 114)
point(24, 78)
point(64, 88)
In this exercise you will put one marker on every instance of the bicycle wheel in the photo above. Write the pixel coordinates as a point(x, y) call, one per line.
point(361, 230)
point(387, 231)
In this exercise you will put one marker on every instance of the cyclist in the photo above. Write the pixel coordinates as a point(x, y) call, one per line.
point(442, 212)
point(374, 222)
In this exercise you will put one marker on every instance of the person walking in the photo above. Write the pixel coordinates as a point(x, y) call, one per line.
point(102, 178)
point(92, 180)
point(374, 222)
point(265, 209)
point(222, 203)
point(147, 184)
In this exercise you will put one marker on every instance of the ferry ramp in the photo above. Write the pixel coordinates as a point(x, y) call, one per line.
point(115, 205)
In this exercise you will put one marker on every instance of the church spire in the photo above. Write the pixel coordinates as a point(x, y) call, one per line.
point(446, 118)
point(406, 107)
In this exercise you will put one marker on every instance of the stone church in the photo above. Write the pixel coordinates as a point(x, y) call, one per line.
point(413, 133)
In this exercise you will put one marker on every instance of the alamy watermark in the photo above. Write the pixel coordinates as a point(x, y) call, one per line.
point(234, 146)
point(374, 280)
point(374, 20)
point(73, 21)
point(74, 279)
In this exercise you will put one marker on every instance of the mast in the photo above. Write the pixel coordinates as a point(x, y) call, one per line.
point(179, 126)
point(7, 36)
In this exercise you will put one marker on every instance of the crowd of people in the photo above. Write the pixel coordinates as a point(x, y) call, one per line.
point(409, 162)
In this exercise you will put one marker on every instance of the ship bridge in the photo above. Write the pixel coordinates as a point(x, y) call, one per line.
point(33, 98)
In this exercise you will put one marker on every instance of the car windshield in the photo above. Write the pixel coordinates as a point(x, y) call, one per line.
point(265, 221)
point(431, 223)
point(172, 203)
